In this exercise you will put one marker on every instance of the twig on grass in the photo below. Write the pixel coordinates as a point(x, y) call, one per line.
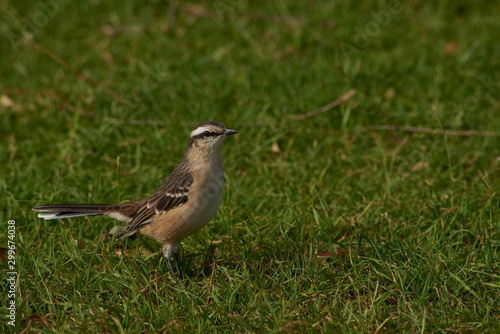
point(329, 106)
point(91, 81)
point(211, 279)
point(172, 16)
point(466, 133)
point(201, 11)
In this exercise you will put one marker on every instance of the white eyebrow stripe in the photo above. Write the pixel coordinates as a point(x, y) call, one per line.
point(199, 131)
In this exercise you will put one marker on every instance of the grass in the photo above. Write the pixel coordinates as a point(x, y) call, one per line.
point(326, 224)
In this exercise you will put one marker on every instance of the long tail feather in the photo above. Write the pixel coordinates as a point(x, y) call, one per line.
point(59, 215)
point(57, 211)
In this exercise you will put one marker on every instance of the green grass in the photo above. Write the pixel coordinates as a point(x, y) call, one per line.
point(343, 229)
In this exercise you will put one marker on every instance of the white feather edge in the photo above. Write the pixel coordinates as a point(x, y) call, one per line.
point(54, 215)
point(199, 131)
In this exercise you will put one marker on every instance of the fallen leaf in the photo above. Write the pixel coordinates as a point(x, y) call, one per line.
point(107, 57)
point(292, 325)
point(389, 94)
point(108, 30)
point(420, 165)
point(450, 47)
point(325, 255)
point(5, 101)
point(39, 319)
point(275, 148)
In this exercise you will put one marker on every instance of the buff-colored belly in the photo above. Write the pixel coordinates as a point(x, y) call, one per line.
point(176, 224)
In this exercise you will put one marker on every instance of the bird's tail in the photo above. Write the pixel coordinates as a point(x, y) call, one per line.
point(57, 211)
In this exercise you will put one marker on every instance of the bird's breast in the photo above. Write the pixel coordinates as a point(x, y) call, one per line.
point(206, 195)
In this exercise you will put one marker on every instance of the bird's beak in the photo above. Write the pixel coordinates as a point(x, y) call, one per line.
point(229, 132)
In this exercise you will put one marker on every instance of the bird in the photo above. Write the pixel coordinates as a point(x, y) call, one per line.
point(187, 200)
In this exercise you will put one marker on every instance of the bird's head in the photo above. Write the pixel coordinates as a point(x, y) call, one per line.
point(207, 137)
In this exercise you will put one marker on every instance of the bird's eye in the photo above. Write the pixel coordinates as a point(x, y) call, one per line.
point(207, 134)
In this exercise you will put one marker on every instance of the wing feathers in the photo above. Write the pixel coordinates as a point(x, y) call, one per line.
point(173, 193)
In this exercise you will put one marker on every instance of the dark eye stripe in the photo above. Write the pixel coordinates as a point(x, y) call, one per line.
point(207, 134)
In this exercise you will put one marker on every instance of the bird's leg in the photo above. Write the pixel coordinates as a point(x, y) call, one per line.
point(176, 259)
point(167, 252)
point(172, 272)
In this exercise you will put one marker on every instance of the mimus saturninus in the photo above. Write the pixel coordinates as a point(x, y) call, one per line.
point(185, 202)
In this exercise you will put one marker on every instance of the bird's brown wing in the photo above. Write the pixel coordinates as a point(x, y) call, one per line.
point(173, 193)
